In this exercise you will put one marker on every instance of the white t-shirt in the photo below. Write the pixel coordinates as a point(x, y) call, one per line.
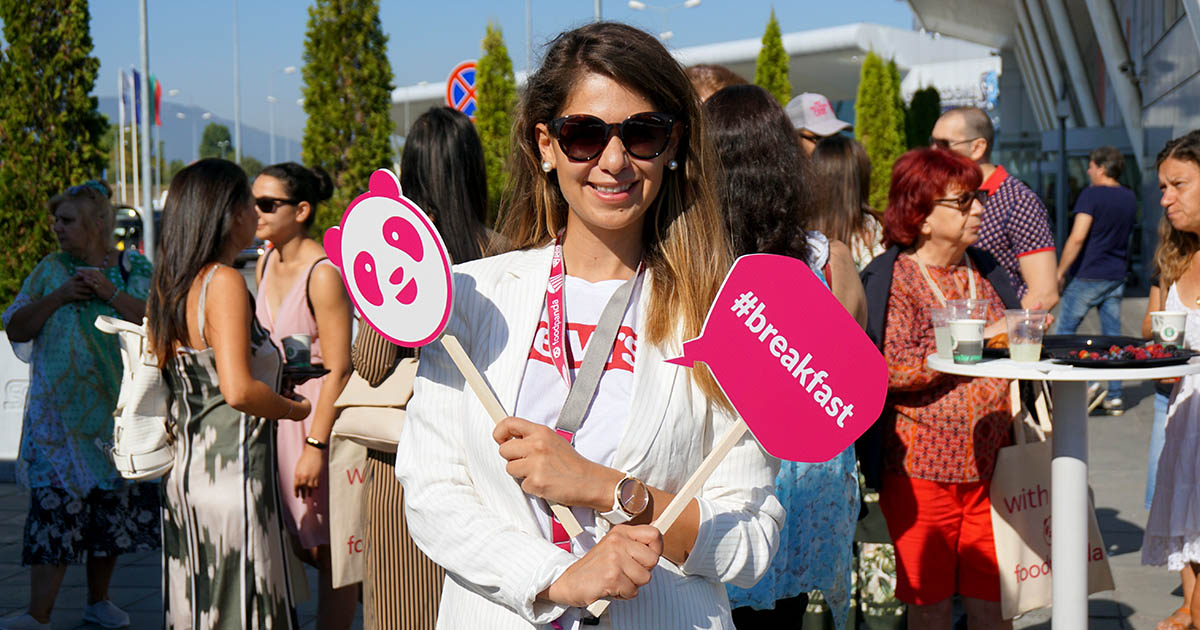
point(543, 390)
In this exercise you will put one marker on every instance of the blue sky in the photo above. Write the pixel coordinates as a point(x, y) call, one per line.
point(191, 44)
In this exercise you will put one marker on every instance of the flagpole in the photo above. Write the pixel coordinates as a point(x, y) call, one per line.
point(148, 240)
point(133, 142)
point(121, 133)
point(237, 92)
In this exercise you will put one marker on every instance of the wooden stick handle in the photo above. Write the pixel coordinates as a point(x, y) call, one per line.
point(474, 379)
point(688, 492)
point(492, 404)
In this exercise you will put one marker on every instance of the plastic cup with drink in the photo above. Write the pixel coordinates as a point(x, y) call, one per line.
point(1026, 327)
point(1168, 326)
point(966, 329)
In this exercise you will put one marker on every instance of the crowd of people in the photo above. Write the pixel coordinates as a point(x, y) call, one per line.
point(633, 185)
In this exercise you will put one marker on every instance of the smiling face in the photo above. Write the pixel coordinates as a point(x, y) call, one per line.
point(287, 220)
point(611, 192)
point(1179, 181)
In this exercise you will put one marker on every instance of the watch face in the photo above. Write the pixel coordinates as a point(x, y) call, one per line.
point(634, 496)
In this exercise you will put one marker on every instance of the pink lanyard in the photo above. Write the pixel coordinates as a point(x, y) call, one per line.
point(574, 408)
point(556, 311)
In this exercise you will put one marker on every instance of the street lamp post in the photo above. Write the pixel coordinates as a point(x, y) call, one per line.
point(271, 100)
point(666, 33)
point(205, 116)
point(223, 144)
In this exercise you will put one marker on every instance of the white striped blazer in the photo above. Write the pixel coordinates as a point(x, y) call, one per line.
point(472, 518)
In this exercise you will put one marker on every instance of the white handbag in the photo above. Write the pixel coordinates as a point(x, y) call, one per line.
point(374, 416)
point(143, 447)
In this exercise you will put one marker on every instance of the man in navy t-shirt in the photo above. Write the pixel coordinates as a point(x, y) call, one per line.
point(1095, 254)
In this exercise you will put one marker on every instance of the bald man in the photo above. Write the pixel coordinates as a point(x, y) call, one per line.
point(1016, 226)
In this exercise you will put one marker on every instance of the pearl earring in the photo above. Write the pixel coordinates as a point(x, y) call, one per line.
point(547, 166)
point(672, 165)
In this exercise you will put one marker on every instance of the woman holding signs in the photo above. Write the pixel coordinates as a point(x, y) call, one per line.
point(617, 229)
point(940, 432)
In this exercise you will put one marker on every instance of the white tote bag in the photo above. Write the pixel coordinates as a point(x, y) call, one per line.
point(1020, 495)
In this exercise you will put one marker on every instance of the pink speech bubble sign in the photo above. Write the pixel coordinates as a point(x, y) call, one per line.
point(797, 367)
point(394, 264)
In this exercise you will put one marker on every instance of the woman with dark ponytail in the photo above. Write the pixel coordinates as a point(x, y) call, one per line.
point(301, 293)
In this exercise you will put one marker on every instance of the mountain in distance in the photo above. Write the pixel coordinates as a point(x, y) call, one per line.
point(177, 135)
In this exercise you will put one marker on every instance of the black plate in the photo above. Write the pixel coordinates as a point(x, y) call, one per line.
point(1065, 349)
point(298, 374)
point(1089, 342)
point(1055, 345)
point(1119, 363)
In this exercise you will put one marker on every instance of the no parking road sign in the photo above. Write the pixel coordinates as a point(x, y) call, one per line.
point(460, 88)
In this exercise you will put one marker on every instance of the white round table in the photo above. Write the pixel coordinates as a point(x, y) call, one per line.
point(1069, 473)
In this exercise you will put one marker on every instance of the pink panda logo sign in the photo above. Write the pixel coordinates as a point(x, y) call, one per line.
point(394, 264)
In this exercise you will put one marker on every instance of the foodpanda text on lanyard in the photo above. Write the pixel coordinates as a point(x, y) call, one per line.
point(557, 319)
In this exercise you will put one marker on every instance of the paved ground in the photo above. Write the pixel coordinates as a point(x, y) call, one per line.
point(1118, 461)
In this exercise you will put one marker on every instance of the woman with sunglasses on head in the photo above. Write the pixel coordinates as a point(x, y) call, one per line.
point(940, 432)
point(301, 293)
point(617, 228)
point(80, 508)
point(765, 193)
point(224, 555)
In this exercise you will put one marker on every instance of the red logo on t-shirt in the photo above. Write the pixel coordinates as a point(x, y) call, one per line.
point(624, 350)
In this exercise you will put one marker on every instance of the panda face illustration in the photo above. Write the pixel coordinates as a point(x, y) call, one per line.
point(394, 264)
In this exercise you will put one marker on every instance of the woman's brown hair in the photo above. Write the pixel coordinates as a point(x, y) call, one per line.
point(197, 221)
point(685, 244)
point(841, 171)
point(1176, 247)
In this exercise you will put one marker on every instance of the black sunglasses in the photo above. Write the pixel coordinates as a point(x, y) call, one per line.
point(942, 143)
point(963, 202)
point(267, 205)
point(583, 137)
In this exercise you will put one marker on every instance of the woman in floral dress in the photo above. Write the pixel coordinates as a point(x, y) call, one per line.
point(79, 505)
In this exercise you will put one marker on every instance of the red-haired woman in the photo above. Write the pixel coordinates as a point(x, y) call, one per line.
point(940, 433)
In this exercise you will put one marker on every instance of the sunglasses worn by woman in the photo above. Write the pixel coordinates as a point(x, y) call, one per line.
point(583, 137)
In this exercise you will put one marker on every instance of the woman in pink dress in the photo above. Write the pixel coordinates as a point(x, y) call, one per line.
point(300, 293)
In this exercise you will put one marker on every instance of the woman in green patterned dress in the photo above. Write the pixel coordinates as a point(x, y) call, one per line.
point(223, 541)
point(79, 506)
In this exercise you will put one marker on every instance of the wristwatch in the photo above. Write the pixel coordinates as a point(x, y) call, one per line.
point(630, 499)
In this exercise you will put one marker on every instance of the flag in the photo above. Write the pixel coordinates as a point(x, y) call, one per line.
point(156, 90)
point(137, 96)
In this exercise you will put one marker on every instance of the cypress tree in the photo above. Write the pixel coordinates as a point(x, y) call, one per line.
point(879, 123)
point(495, 97)
point(922, 114)
point(771, 68)
point(51, 129)
point(348, 99)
